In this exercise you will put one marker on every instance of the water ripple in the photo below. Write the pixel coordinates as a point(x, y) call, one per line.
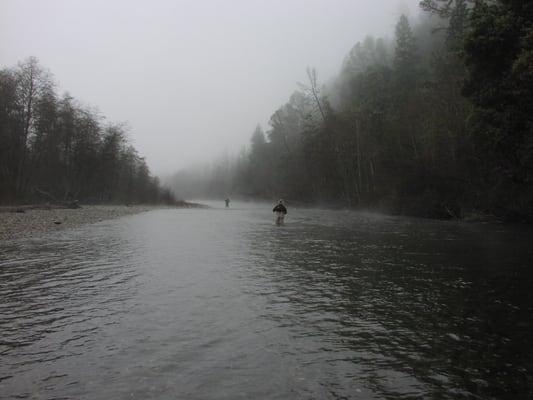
point(210, 304)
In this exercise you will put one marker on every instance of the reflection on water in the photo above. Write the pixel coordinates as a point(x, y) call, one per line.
point(222, 304)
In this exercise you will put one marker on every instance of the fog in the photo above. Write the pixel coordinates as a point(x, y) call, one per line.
point(191, 78)
point(266, 199)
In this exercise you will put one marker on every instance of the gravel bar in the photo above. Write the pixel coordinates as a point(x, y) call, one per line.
point(33, 223)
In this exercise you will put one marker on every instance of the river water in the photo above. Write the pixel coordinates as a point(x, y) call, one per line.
point(222, 304)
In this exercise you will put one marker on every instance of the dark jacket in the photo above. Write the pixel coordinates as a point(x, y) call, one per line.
point(280, 208)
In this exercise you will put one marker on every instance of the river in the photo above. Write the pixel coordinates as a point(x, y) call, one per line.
point(222, 304)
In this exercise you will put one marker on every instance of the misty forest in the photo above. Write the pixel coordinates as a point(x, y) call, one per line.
point(436, 122)
point(54, 148)
point(266, 199)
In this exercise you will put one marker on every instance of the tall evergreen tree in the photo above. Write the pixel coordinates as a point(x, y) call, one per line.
point(405, 52)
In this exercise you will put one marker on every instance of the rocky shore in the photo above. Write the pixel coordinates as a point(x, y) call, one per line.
point(34, 222)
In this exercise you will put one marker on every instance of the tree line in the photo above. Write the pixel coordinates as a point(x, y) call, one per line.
point(436, 122)
point(53, 147)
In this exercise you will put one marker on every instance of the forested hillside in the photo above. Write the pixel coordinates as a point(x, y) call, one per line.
point(52, 147)
point(435, 122)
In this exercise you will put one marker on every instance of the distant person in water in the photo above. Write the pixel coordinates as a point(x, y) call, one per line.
point(227, 202)
point(280, 211)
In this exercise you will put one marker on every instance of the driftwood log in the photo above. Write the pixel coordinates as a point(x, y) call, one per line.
point(51, 204)
point(57, 202)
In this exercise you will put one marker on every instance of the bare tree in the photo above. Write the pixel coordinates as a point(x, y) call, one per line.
point(32, 82)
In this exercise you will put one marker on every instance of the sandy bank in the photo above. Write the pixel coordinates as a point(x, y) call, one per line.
point(36, 222)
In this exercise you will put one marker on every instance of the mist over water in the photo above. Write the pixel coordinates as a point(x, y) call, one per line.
point(220, 303)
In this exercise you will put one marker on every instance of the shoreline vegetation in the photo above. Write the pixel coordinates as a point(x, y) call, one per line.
point(55, 149)
point(434, 122)
point(32, 221)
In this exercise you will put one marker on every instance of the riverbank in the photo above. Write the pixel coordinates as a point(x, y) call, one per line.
point(35, 222)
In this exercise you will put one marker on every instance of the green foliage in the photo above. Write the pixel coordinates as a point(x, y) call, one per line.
point(499, 59)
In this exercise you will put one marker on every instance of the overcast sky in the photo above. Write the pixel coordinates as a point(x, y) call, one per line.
point(191, 78)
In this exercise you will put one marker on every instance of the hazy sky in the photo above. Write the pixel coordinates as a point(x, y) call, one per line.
point(191, 78)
